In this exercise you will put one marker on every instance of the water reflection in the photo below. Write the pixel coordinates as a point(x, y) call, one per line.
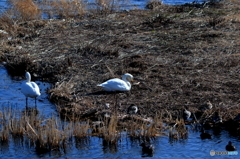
point(96, 147)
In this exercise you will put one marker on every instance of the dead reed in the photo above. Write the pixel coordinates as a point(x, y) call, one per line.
point(25, 9)
point(81, 129)
point(54, 134)
point(30, 10)
point(145, 130)
point(63, 8)
point(110, 133)
point(178, 131)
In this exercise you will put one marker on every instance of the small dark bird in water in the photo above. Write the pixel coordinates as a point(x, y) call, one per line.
point(205, 135)
point(186, 114)
point(217, 118)
point(230, 147)
point(132, 109)
point(147, 149)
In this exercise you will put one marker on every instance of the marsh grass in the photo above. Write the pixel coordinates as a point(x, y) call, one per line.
point(153, 4)
point(178, 131)
point(109, 6)
point(25, 9)
point(145, 130)
point(63, 8)
point(110, 132)
point(81, 129)
point(53, 134)
point(62, 91)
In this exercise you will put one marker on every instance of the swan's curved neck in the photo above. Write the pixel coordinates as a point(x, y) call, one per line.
point(28, 77)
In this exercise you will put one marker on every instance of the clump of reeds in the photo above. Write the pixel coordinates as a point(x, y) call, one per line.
point(107, 6)
point(25, 9)
point(153, 4)
point(45, 135)
point(6, 24)
point(64, 8)
point(178, 131)
point(145, 130)
point(48, 136)
point(60, 93)
point(110, 133)
point(81, 129)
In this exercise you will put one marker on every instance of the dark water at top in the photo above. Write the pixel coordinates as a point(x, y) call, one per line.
point(138, 3)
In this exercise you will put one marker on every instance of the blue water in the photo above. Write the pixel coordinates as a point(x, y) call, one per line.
point(138, 3)
point(178, 2)
point(92, 148)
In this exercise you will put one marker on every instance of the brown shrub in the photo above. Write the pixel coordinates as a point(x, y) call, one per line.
point(66, 8)
point(26, 9)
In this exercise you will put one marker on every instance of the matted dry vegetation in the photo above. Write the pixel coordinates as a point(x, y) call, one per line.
point(181, 55)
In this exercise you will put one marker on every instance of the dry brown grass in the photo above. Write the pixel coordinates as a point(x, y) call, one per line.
point(81, 129)
point(25, 9)
point(153, 4)
point(178, 131)
point(53, 134)
point(64, 8)
point(145, 130)
point(107, 6)
point(110, 132)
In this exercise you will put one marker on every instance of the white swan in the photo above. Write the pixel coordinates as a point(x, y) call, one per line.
point(117, 84)
point(30, 89)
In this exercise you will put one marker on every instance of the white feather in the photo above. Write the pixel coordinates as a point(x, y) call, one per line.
point(117, 84)
point(30, 89)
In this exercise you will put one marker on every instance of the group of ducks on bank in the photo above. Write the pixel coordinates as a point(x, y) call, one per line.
point(31, 89)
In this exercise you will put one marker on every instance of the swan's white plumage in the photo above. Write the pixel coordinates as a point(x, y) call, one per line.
point(117, 84)
point(30, 89)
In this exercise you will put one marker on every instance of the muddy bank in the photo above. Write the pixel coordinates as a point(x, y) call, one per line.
point(181, 55)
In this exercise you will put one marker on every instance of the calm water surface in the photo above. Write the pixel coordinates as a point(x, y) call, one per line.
point(137, 3)
point(92, 147)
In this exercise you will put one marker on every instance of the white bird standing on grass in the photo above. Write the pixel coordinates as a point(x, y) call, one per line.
point(30, 89)
point(117, 84)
